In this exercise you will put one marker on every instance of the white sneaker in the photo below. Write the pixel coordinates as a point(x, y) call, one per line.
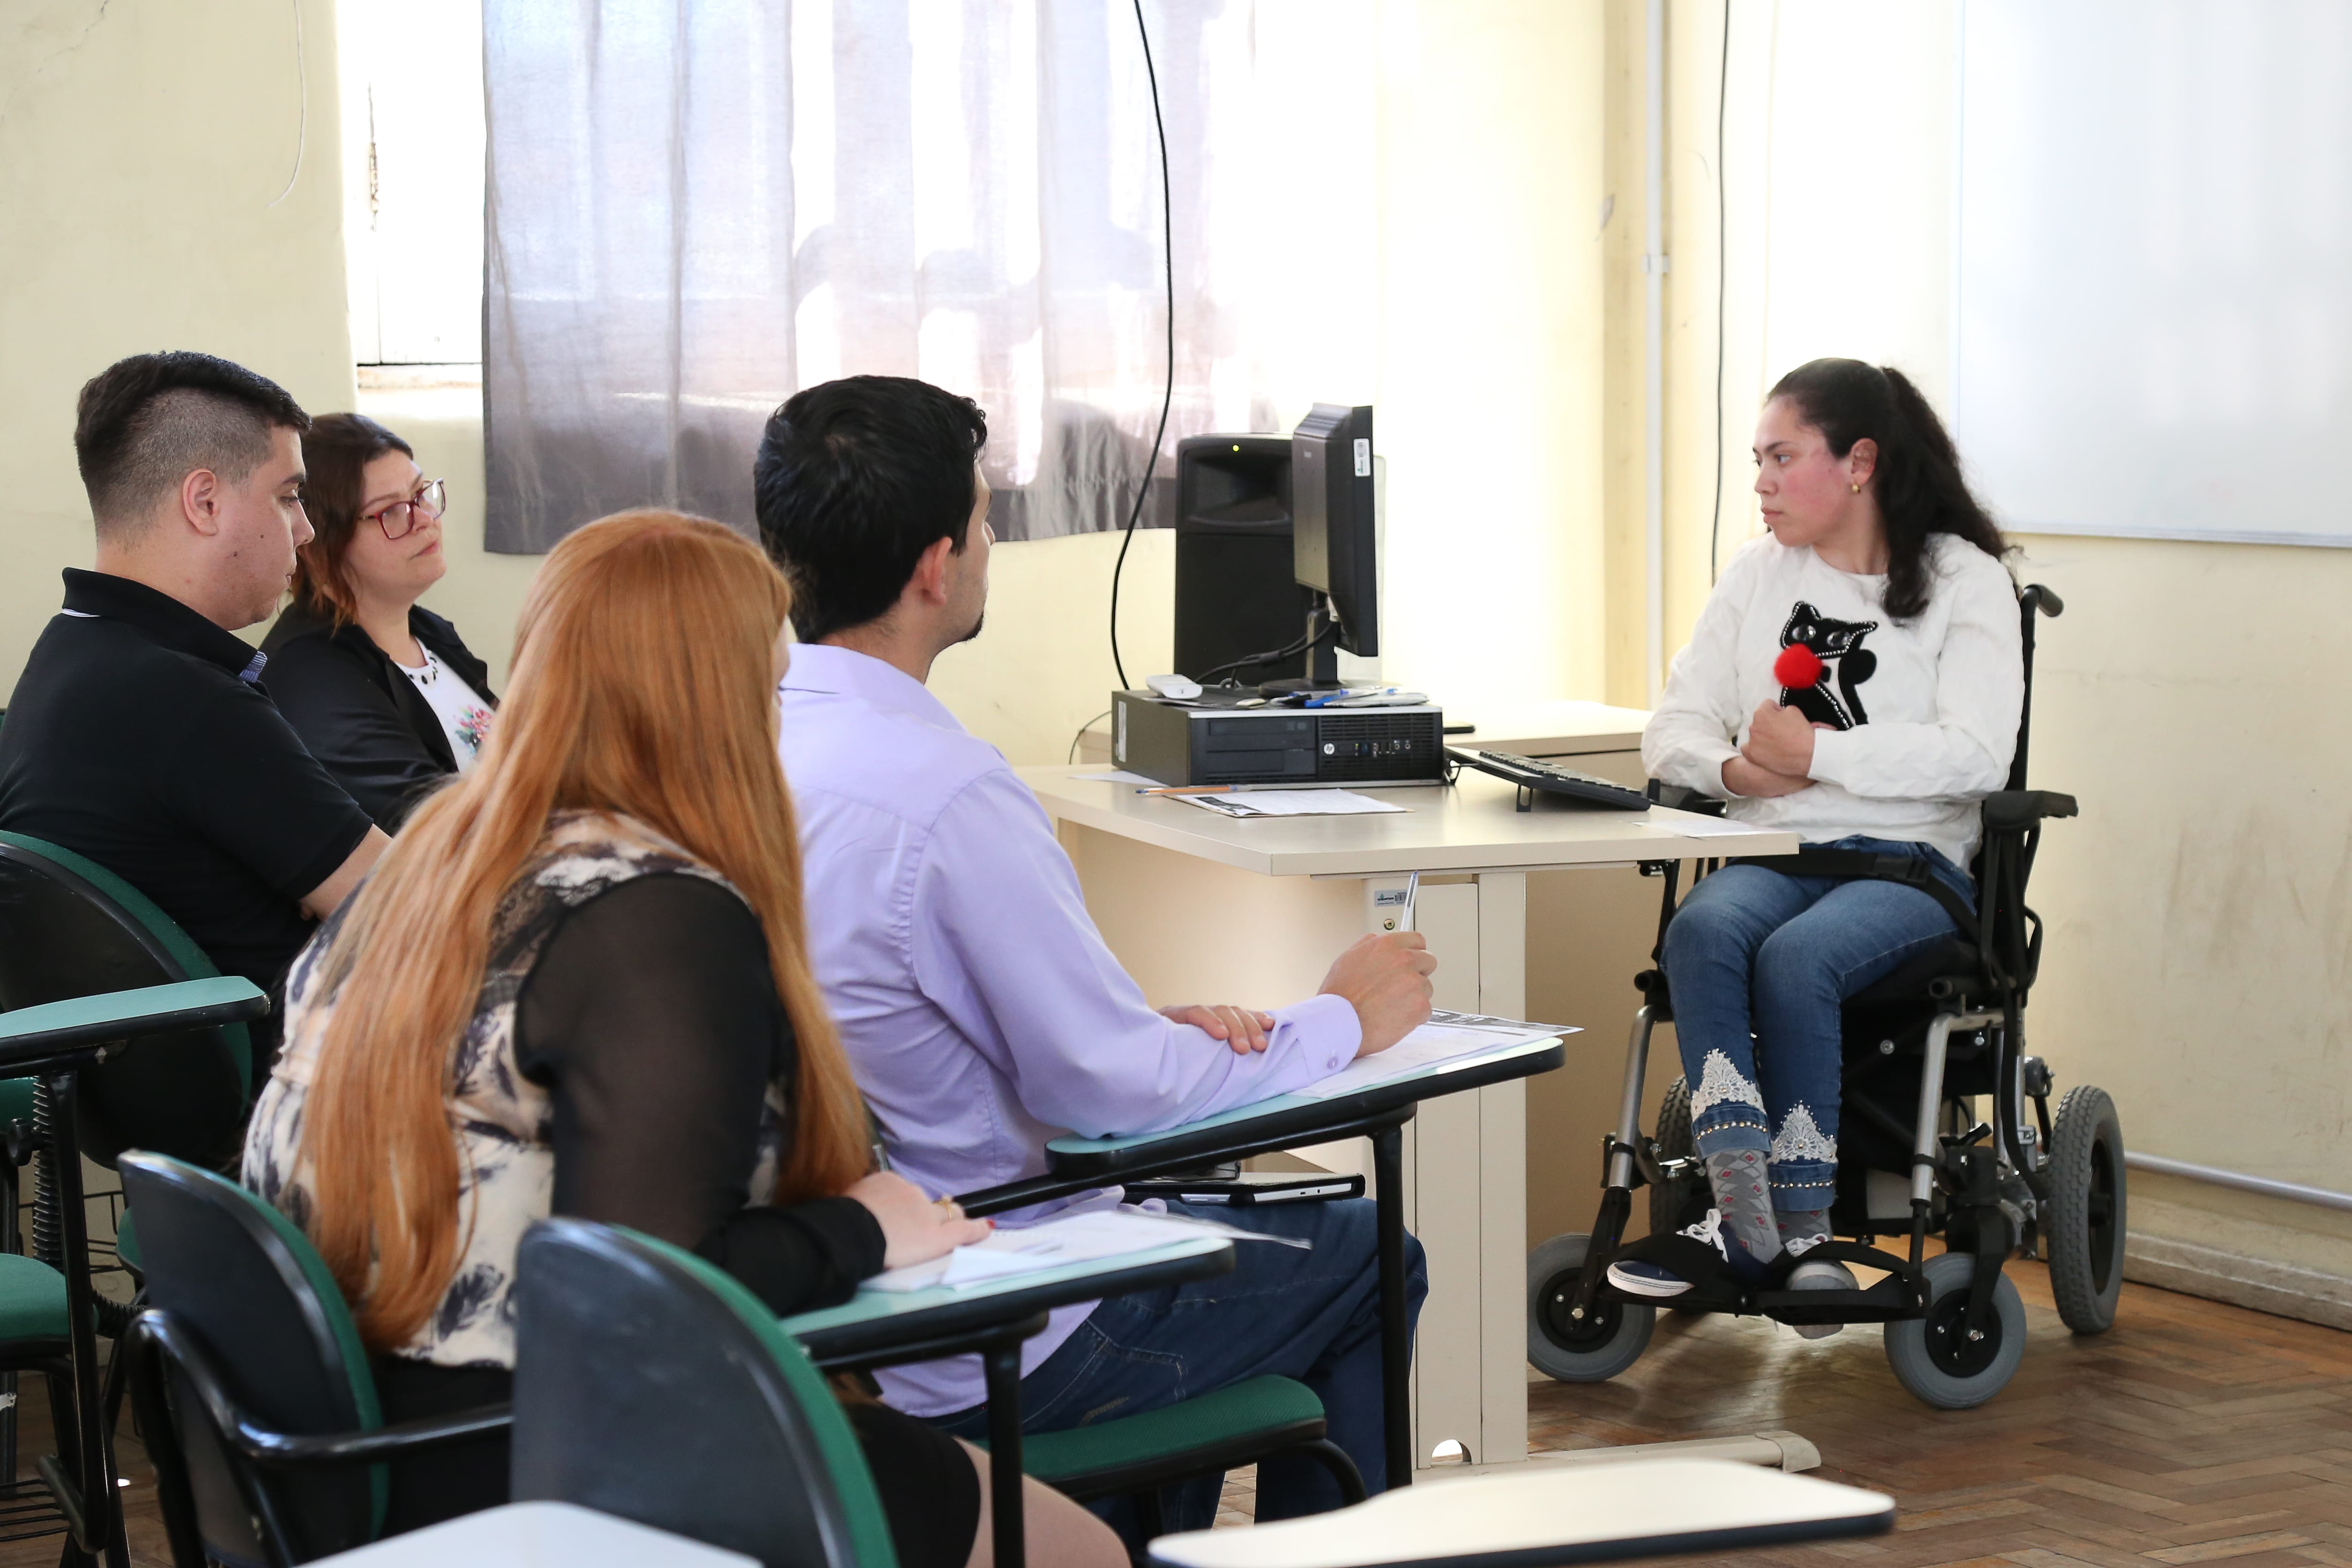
point(1636, 1278)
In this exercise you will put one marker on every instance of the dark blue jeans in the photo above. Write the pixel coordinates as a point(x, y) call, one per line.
point(1758, 964)
point(1314, 1315)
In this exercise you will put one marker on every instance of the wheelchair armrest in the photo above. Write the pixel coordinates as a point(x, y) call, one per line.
point(2018, 810)
point(1674, 797)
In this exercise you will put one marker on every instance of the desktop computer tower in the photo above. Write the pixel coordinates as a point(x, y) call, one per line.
point(1236, 592)
point(1180, 744)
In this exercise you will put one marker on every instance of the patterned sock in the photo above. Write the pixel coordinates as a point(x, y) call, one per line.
point(1743, 1194)
point(1801, 1228)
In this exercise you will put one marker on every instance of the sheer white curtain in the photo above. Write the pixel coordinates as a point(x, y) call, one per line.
point(695, 207)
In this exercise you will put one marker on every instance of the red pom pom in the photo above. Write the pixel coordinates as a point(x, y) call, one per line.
point(1798, 667)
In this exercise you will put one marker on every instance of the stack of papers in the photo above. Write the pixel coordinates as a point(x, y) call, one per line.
point(1448, 1041)
point(1035, 1248)
point(1290, 803)
point(1696, 827)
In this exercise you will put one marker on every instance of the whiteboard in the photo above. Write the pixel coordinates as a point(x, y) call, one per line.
point(2152, 327)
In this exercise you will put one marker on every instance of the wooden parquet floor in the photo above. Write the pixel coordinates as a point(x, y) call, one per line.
point(2191, 1433)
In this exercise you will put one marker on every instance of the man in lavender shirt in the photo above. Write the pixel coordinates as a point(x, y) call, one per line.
point(981, 1012)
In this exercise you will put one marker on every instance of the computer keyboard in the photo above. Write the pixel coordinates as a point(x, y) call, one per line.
point(1551, 778)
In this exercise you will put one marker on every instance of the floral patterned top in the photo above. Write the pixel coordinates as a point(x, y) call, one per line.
point(502, 1120)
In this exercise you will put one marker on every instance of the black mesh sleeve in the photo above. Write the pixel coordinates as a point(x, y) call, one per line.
point(652, 1017)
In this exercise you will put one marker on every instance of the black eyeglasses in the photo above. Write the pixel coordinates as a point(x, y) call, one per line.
point(400, 519)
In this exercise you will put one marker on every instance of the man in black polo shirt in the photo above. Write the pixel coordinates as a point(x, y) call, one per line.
point(139, 733)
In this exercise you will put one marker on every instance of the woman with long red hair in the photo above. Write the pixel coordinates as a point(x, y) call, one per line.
point(578, 983)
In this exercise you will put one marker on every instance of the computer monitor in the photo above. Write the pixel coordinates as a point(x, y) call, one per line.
point(1333, 548)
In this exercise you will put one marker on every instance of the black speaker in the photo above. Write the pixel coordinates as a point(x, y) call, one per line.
point(1235, 594)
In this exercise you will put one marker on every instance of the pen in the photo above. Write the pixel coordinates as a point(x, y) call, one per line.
point(1328, 697)
point(1411, 892)
point(1189, 789)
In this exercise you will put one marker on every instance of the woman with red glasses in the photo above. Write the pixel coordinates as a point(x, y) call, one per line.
point(382, 690)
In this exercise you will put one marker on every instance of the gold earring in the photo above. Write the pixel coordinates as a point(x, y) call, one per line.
point(1857, 489)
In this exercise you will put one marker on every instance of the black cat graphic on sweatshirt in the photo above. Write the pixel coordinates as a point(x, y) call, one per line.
point(1838, 645)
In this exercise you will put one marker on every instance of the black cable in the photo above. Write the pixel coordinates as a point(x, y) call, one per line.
point(1167, 395)
point(1082, 736)
point(1304, 644)
point(1722, 263)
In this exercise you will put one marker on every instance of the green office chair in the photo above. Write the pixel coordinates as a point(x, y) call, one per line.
point(254, 1392)
point(612, 1325)
point(651, 1386)
point(49, 1314)
point(70, 928)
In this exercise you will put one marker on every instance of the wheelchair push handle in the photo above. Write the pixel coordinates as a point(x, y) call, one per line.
point(2038, 596)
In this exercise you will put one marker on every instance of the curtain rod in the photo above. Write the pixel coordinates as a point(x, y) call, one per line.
point(2295, 1191)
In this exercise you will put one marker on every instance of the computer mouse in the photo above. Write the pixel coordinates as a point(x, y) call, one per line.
point(1175, 686)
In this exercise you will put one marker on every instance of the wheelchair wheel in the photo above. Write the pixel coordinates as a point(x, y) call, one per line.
point(1569, 1352)
point(1674, 1204)
point(1932, 1357)
point(2087, 1210)
point(1671, 1202)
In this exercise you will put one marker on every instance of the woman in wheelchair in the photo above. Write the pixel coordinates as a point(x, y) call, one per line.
point(1856, 676)
point(578, 983)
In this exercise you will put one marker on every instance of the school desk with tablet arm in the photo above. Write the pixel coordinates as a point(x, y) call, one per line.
point(1371, 1103)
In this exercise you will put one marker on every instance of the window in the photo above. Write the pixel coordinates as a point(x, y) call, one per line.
point(412, 106)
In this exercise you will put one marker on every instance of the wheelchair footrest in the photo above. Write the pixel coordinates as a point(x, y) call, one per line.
point(1888, 1301)
point(1715, 1289)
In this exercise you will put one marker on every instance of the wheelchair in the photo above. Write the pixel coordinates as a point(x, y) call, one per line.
point(1921, 1046)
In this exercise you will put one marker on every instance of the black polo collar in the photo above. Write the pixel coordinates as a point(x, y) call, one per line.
point(163, 618)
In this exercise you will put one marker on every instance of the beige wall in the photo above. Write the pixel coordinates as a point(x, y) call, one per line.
point(1490, 148)
point(140, 150)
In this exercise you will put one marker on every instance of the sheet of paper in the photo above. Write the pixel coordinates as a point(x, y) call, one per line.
point(1222, 804)
point(1694, 826)
point(1292, 803)
point(1447, 1037)
point(1118, 776)
point(1033, 1248)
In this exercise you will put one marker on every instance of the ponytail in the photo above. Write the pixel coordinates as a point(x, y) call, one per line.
point(1917, 480)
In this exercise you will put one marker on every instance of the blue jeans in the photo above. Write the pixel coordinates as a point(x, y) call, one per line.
point(1757, 964)
point(1314, 1315)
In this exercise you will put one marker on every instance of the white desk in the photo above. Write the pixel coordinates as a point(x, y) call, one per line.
point(1204, 908)
point(538, 1535)
point(1549, 729)
point(1627, 1510)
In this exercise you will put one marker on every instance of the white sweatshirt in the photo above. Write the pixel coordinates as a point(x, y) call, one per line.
point(1925, 714)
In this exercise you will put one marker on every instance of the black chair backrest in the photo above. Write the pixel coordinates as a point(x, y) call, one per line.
point(649, 1386)
point(248, 1284)
point(70, 928)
